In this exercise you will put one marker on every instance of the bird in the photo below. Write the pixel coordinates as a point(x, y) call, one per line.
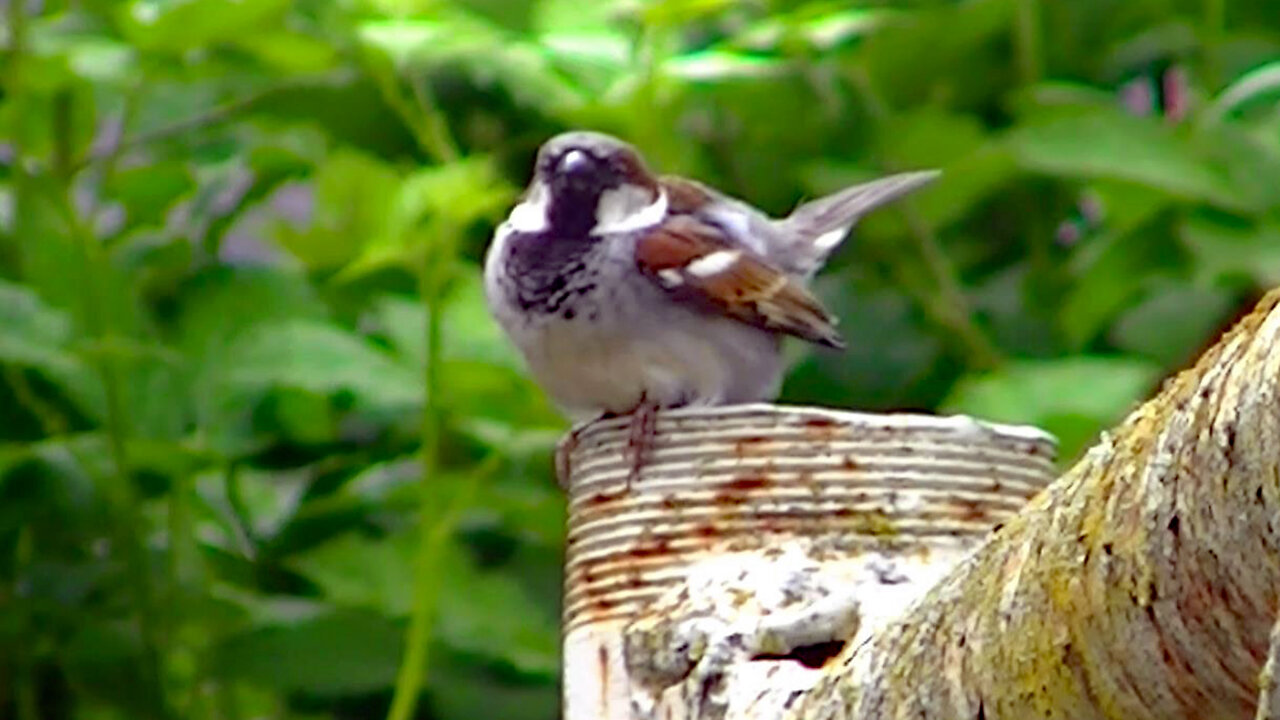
point(627, 292)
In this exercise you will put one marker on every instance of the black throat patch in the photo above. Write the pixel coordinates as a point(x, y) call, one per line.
point(550, 267)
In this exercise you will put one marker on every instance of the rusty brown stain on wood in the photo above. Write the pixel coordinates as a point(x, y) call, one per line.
point(971, 510)
point(752, 445)
point(735, 491)
point(599, 498)
point(650, 547)
point(672, 502)
point(821, 429)
point(747, 483)
point(602, 675)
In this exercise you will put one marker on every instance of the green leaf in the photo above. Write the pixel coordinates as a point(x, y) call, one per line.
point(1073, 398)
point(1055, 99)
point(1259, 83)
point(468, 331)
point(1231, 251)
point(217, 309)
point(343, 652)
point(427, 211)
point(583, 41)
point(149, 191)
point(1250, 153)
point(483, 375)
point(92, 57)
point(836, 28)
point(721, 65)
point(31, 333)
point(324, 359)
point(459, 193)
point(670, 13)
point(459, 687)
point(1173, 322)
point(290, 52)
point(300, 416)
point(1120, 147)
point(958, 61)
point(354, 200)
point(486, 52)
point(889, 356)
point(105, 660)
point(1161, 40)
point(810, 29)
point(1111, 268)
point(571, 16)
point(355, 571)
point(218, 305)
point(485, 612)
point(595, 61)
point(490, 614)
point(36, 336)
point(973, 168)
point(534, 512)
point(176, 26)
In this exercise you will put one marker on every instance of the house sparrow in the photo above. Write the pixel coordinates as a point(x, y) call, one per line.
point(627, 292)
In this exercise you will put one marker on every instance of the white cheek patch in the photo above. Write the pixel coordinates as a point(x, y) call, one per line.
point(713, 264)
point(627, 209)
point(530, 216)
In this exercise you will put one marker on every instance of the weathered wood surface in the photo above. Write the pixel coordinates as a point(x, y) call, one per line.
point(760, 533)
point(1142, 584)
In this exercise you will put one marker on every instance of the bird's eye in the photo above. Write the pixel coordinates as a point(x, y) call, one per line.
point(620, 168)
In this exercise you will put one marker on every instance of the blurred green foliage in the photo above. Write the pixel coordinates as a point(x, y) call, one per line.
point(258, 436)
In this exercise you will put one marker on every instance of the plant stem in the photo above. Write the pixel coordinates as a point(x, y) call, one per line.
point(213, 116)
point(435, 138)
point(429, 128)
point(947, 306)
point(25, 690)
point(52, 422)
point(422, 116)
point(130, 523)
point(436, 527)
point(1214, 27)
point(17, 100)
point(1026, 40)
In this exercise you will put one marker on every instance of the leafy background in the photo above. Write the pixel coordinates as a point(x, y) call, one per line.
point(264, 455)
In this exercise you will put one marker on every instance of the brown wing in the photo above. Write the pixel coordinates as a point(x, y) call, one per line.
point(691, 260)
point(684, 196)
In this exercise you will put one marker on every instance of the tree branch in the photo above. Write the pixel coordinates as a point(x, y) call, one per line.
point(1142, 584)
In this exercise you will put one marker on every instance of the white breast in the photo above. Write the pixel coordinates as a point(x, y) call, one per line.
point(628, 340)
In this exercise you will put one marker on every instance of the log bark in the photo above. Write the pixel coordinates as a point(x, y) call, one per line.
point(1141, 584)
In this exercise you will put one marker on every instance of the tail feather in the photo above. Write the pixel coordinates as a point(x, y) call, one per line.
point(823, 223)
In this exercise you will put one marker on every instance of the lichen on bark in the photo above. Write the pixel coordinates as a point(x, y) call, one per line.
point(1142, 584)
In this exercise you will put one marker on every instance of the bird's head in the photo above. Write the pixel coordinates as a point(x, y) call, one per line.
point(589, 184)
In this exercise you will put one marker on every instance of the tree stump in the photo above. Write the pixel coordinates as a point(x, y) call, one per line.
point(760, 541)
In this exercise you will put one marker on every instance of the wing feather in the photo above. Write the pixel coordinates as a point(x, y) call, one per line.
point(693, 261)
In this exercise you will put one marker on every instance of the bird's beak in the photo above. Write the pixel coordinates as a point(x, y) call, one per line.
point(573, 162)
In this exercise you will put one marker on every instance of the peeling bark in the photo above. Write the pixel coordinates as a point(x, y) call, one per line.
point(1141, 584)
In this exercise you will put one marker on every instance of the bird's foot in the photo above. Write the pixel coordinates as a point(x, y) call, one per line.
point(640, 436)
point(564, 452)
point(641, 431)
